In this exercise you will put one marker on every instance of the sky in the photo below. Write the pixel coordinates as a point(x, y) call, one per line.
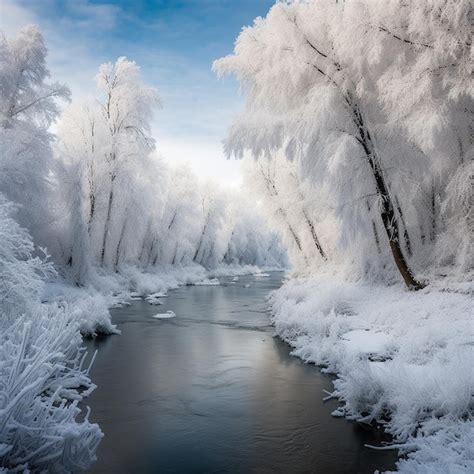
point(174, 42)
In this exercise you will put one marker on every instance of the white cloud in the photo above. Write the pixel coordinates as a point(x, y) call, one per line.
point(14, 16)
point(89, 14)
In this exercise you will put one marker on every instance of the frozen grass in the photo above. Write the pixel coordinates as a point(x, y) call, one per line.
point(42, 380)
point(404, 359)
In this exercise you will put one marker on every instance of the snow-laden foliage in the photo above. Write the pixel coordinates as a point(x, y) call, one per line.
point(373, 101)
point(42, 378)
point(27, 109)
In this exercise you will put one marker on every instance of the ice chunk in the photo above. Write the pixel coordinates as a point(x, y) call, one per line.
point(208, 282)
point(169, 314)
point(154, 301)
point(158, 294)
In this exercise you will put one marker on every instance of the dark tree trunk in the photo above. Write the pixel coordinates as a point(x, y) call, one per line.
point(433, 215)
point(406, 236)
point(107, 221)
point(314, 236)
point(175, 254)
point(374, 230)
point(387, 214)
point(119, 245)
point(200, 241)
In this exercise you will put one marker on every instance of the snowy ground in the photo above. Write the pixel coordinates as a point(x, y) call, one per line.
point(404, 359)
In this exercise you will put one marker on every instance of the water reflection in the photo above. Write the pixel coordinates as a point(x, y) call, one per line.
point(212, 391)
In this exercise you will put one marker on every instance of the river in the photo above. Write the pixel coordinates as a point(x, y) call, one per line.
point(212, 391)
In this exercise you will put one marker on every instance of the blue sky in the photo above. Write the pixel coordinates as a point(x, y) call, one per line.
point(174, 42)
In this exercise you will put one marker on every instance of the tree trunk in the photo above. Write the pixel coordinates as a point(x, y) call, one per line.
point(200, 241)
point(387, 214)
point(292, 232)
point(433, 214)
point(374, 231)
point(119, 245)
point(314, 236)
point(406, 236)
point(175, 254)
point(107, 222)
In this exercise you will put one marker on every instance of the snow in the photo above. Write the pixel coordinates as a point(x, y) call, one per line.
point(169, 314)
point(405, 356)
point(366, 341)
point(208, 282)
point(157, 294)
point(154, 301)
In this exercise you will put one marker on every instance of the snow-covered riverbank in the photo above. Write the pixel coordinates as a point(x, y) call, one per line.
point(404, 359)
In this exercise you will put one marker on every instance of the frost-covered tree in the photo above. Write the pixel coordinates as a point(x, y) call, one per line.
point(213, 205)
point(28, 106)
point(126, 107)
point(174, 241)
point(289, 203)
point(432, 42)
point(249, 239)
point(107, 143)
point(322, 87)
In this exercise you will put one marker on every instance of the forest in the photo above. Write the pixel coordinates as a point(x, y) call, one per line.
point(356, 141)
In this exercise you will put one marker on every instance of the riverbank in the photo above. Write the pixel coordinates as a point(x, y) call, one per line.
point(402, 359)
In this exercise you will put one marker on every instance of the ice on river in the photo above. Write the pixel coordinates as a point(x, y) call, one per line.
point(208, 282)
point(158, 294)
point(169, 314)
point(154, 301)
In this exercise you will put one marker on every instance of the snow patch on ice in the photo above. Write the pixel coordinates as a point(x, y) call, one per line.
point(208, 282)
point(169, 314)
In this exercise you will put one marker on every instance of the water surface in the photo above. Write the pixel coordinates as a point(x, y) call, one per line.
point(212, 391)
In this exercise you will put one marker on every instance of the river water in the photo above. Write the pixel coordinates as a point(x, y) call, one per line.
point(212, 391)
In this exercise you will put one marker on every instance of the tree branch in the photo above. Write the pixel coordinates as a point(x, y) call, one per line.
point(404, 40)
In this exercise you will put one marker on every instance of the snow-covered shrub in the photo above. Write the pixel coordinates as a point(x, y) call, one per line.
point(42, 382)
point(20, 272)
point(42, 378)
